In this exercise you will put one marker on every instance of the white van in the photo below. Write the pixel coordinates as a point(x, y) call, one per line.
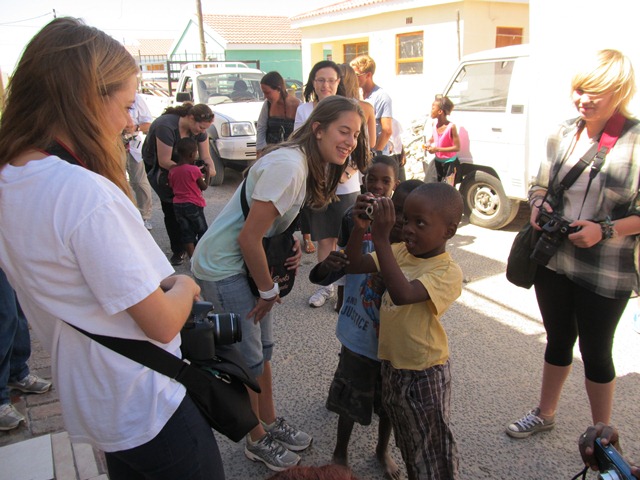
point(490, 91)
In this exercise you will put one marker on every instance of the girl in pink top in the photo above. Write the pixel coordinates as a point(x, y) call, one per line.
point(444, 141)
point(187, 182)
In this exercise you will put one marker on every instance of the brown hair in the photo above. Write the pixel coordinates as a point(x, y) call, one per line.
point(201, 111)
point(350, 81)
point(67, 70)
point(310, 90)
point(275, 81)
point(323, 179)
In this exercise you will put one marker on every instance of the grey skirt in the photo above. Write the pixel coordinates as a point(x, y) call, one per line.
point(326, 224)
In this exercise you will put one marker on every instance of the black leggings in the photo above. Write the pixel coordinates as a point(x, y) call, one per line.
point(173, 228)
point(570, 311)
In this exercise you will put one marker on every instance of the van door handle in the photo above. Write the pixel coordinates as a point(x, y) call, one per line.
point(496, 129)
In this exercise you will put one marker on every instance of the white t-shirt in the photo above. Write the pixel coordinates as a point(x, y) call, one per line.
point(302, 113)
point(140, 114)
point(75, 250)
point(280, 177)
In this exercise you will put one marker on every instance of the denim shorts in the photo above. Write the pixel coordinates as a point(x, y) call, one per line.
point(191, 221)
point(233, 295)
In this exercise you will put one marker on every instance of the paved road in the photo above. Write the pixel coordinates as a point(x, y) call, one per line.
point(497, 344)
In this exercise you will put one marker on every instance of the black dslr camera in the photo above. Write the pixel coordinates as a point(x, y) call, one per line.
point(205, 329)
point(611, 465)
point(555, 228)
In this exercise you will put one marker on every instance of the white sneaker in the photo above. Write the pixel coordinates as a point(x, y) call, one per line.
point(10, 418)
point(147, 225)
point(319, 298)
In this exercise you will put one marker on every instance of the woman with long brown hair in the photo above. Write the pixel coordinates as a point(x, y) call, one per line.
point(305, 169)
point(75, 249)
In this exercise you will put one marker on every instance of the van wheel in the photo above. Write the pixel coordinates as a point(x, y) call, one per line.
point(219, 166)
point(486, 205)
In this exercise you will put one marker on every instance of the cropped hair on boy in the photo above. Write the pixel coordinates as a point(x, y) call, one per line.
point(186, 147)
point(444, 198)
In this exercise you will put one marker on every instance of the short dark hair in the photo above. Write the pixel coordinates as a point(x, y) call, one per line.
point(444, 198)
point(408, 186)
point(186, 147)
point(386, 160)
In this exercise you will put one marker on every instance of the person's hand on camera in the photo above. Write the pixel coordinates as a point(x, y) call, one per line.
point(361, 209)
point(536, 204)
point(384, 218)
point(608, 435)
point(589, 234)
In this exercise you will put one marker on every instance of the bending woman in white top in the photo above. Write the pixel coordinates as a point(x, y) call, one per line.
point(75, 249)
point(306, 168)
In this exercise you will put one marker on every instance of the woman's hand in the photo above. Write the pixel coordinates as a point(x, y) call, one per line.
point(536, 205)
point(589, 234)
point(293, 262)
point(262, 308)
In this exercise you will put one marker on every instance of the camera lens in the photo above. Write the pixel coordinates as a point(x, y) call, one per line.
point(226, 328)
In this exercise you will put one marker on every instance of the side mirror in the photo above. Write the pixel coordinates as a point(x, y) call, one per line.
point(184, 97)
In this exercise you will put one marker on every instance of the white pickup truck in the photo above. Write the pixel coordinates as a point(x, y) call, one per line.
point(232, 90)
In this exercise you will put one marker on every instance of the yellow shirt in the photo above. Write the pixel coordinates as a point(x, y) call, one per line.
point(411, 336)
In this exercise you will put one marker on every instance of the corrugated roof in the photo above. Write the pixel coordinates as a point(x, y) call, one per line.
point(150, 46)
point(338, 7)
point(248, 29)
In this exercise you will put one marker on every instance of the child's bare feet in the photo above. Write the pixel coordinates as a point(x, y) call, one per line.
point(388, 464)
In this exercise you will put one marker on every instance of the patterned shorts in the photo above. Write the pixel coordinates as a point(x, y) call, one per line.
point(418, 404)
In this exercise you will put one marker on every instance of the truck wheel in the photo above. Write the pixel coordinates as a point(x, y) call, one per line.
point(486, 205)
point(219, 166)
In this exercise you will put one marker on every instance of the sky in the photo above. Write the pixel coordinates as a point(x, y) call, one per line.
point(126, 20)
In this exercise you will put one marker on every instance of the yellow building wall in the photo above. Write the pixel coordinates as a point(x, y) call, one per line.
point(476, 20)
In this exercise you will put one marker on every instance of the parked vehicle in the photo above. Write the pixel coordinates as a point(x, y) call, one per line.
point(232, 90)
point(490, 91)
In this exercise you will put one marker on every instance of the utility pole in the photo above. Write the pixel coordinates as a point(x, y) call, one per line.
point(203, 46)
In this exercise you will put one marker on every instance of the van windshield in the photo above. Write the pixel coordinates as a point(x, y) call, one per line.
point(482, 86)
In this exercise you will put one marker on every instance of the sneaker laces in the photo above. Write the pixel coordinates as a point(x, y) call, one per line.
point(283, 426)
point(530, 420)
point(272, 445)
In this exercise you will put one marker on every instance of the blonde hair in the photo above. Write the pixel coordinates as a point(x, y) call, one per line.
point(61, 87)
point(364, 63)
point(609, 71)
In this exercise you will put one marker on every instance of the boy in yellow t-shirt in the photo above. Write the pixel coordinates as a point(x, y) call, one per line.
point(422, 282)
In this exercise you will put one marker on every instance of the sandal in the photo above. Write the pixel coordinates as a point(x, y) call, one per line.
point(309, 247)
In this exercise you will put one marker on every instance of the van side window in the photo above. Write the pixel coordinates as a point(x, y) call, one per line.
point(482, 86)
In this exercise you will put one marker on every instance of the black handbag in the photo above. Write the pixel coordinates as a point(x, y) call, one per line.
point(159, 180)
point(216, 386)
point(277, 248)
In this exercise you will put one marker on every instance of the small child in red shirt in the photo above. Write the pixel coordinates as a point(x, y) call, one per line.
point(187, 182)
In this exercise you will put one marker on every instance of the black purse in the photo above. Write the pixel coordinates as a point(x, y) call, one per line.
point(216, 386)
point(277, 248)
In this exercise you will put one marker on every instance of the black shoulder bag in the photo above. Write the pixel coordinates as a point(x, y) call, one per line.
point(216, 386)
point(277, 248)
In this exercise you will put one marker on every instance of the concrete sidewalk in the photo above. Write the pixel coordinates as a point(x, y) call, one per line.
point(39, 449)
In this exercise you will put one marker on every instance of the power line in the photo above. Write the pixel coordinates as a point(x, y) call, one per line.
point(4, 24)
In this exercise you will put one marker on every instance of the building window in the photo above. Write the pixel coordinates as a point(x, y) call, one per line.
point(409, 48)
point(353, 50)
point(506, 36)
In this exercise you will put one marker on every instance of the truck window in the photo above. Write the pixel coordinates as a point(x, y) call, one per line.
point(482, 86)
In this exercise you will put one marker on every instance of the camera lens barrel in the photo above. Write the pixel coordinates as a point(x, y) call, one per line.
point(226, 328)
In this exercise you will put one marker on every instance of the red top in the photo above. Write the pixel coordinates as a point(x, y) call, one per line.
point(183, 179)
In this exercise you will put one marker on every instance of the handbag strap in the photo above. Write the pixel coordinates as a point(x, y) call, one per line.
point(141, 351)
point(243, 199)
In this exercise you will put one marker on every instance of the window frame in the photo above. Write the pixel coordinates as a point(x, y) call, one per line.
point(409, 60)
